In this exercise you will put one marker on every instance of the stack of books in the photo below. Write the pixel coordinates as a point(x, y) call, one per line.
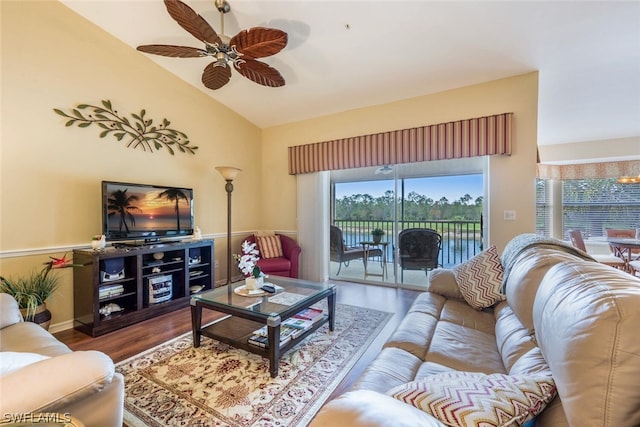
point(311, 313)
point(289, 329)
point(260, 338)
point(110, 291)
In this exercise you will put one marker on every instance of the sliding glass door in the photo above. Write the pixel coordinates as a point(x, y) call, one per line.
point(445, 197)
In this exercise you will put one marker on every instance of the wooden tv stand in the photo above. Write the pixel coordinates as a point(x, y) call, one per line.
point(184, 268)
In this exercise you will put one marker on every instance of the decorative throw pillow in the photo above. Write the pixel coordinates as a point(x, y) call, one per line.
point(270, 246)
point(480, 278)
point(13, 360)
point(471, 399)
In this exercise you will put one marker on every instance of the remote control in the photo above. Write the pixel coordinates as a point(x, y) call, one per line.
point(268, 288)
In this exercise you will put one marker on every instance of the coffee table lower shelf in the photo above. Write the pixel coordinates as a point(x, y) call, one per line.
point(236, 331)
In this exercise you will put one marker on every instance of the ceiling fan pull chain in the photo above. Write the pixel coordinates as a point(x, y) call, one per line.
point(221, 22)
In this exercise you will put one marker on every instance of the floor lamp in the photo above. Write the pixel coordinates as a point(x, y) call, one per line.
point(228, 173)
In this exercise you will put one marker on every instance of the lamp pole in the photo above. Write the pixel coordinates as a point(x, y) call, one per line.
point(228, 173)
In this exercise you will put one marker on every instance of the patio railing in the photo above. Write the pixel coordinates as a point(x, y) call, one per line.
point(461, 240)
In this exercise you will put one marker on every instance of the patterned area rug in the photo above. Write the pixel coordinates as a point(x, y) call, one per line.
point(175, 384)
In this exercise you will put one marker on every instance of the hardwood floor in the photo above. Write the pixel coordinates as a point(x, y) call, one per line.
point(129, 341)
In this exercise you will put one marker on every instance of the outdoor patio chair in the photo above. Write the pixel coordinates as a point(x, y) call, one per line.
point(341, 253)
point(419, 250)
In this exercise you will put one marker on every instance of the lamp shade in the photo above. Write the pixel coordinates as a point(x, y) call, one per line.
point(228, 172)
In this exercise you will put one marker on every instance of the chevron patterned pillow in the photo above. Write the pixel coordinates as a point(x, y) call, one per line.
point(472, 399)
point(479, 279)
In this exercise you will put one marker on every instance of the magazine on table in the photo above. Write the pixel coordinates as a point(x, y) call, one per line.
point(289, 329)
point(311, 313)
point(261, 339)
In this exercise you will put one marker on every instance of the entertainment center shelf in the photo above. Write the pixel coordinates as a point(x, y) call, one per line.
point(120, 286)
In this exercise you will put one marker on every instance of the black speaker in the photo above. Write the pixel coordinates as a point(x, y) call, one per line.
point(111, 269)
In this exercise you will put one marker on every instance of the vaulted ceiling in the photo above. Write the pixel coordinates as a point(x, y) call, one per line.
point(344, 55)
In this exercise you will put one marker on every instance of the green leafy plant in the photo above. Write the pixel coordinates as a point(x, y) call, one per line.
point(141, 132)
point(377, 232)
point(32, 290)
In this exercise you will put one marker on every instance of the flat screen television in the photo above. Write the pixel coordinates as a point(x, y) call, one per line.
point(145, 212)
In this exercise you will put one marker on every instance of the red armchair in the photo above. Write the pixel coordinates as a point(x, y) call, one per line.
point(286, 265)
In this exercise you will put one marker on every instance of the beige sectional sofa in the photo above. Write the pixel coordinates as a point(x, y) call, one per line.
point(39, 374)
point(565, 316)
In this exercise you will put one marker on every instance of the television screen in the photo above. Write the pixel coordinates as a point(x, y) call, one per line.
point(149, 212)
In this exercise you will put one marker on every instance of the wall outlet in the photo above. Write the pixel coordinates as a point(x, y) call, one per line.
point(216, 263)
point(509, 215)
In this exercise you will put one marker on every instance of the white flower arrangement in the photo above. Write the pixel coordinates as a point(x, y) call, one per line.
point(247, 261)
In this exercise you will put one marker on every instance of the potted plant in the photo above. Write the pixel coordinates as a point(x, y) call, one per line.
point(377, 234)
point(32, 291)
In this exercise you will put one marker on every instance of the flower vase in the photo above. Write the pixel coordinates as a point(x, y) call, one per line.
point(253, 283)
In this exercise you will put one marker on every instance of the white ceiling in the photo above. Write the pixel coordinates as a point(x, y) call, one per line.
point(343, 55)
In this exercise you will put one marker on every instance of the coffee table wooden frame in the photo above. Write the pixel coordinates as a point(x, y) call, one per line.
point(246, 314)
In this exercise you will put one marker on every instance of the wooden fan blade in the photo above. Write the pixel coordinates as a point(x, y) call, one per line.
point(260, 73)
point(259, 42)
point(215, 77)
point(192, 22)
point(172, 51)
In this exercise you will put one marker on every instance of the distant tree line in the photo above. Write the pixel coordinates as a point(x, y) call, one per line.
point(415, 207)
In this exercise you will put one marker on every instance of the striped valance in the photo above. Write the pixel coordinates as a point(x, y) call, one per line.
point(483, 136)
point(590, 170)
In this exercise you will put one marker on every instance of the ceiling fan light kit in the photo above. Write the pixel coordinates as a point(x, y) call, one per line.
point(241, 50)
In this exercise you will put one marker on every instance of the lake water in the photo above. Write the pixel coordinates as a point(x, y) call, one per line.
point(454, 251)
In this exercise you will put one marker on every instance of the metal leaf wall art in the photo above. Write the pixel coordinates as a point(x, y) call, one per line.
point(138, 132)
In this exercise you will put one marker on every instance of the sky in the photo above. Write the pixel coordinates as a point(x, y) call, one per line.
point(451, 187)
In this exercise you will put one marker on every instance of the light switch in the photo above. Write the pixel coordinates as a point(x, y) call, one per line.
point(509, 215)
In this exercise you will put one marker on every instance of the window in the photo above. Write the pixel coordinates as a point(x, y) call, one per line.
point(543, 207)
point(589, 205)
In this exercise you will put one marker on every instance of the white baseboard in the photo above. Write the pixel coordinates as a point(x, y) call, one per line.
point(62, 326)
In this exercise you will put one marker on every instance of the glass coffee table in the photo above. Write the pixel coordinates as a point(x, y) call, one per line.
point(247, 313)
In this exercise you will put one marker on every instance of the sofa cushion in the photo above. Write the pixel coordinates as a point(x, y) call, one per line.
point(480, 279)
point(13, 360)
point(586, 319)
point(365, 408)
point(56, 382)
point(32, 338)
point(525, 277)
point(442, 281)
point(468, 399)
point(270, 246)
point(9, 311)
point(464, 349)
point(512, 338)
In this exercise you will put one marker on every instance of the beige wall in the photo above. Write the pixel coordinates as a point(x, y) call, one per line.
point(511, 179)
point(50, 174)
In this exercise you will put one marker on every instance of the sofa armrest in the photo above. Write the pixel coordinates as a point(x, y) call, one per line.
point(291, 250)
point(55, 382)
point(9, 311)
point(443, 282)
point(366, 408)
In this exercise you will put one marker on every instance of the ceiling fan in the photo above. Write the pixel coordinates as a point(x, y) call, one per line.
point(240, 50)
point(384, 170)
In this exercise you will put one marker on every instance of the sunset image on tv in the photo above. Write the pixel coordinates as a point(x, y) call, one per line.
point(140, 209)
